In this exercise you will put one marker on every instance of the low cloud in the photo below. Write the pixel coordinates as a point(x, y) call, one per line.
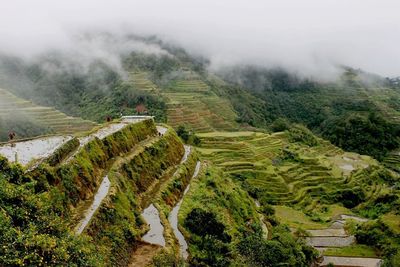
point(310, 37)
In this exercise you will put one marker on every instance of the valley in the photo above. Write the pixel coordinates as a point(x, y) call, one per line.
point(177, 166)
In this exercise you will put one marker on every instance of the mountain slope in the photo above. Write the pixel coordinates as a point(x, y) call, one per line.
point(27, 119)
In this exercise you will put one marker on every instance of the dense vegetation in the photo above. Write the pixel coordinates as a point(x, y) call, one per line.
point(281, 249)
point(94, 93)
point(23, 126)
point(348, 112)
point(224, 228)
point(380, 236)
point(33, 228)
point(38, 208)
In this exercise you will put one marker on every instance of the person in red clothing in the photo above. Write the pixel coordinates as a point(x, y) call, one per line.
point(11, 136)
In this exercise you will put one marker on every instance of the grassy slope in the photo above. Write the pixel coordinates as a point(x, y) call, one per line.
point(190, 101)
point(35, 120)
point(140, 165)
point(117, 227)
point(299, 183)
point(215, 192)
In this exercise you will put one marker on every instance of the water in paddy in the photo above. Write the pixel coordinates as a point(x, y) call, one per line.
point(98, 198)
point(155, 234)
point(173, 218)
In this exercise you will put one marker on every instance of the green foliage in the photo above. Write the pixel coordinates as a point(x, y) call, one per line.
point(204, 223)
point(32, 229)
point(169, 259)
point(79, 176)
point(349, 197)
point(153, 161)
point(280, 125)
point(23, 126)
point(62, 152)
point(214, 240)
point(214, 200)
point(188, 137)
point(371, 135)
point(299, 133)
point(93, 94)
point(346, 112)
point(381, 205)
point(378, 235)
point(282, 249)
point(268, 210)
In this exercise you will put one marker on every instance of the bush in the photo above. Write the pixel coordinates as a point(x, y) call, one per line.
point(188, 137)
point(204, 223)
point(281, 250)
point(299, 133)
point(280, 125)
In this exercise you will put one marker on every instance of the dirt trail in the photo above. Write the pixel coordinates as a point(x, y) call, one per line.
point(144, 254)
point(173, 218)
point(263, 225)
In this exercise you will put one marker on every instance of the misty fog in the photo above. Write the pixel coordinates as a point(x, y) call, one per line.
point(310, 37)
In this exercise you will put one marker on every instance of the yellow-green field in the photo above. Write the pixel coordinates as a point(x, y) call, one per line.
point(190, 102)
point(257, 160)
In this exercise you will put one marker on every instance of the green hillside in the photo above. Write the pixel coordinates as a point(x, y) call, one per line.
point(27, 119)
point(309, 183)
point(284, 170)
point(190, 102)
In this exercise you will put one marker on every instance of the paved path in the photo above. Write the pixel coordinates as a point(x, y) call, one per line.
point(351, 261)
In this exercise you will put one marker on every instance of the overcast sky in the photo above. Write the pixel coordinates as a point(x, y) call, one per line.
point(309, 36)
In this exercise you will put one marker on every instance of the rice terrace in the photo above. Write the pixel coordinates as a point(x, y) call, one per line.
point(200, 134)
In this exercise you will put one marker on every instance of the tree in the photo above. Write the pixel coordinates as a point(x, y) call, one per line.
point(183, 133)
point(204, 223)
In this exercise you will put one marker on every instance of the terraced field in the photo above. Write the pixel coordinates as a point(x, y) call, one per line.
point(58, 122)
point(279, 172)
point(190, 102)
point(392, 161)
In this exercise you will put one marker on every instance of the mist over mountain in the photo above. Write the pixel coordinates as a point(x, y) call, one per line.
point(308, 37)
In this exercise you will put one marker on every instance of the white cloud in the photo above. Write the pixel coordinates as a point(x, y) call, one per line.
point(307, 35)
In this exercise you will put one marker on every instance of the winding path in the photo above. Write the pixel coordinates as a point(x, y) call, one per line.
point(263, 225)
